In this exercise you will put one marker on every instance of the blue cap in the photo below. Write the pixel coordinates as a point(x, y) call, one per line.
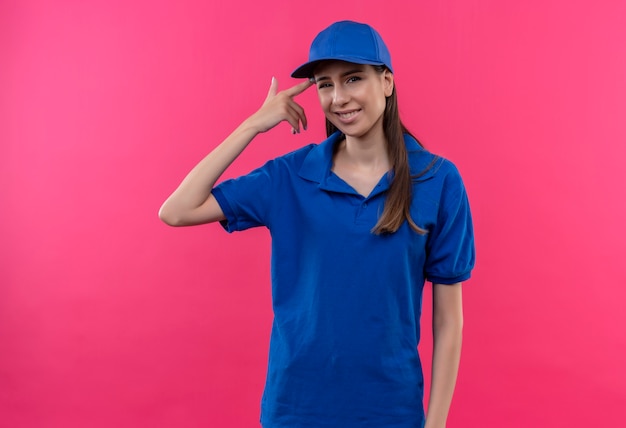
point(346, 41)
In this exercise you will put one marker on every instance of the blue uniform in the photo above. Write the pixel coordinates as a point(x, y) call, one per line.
point(347, 303)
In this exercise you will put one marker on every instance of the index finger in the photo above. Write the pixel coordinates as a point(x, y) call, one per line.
point(299, 88)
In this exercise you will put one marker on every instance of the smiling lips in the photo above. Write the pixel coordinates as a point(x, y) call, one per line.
point(346, 115)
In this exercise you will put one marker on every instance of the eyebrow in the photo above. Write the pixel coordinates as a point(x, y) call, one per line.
point(356, 70)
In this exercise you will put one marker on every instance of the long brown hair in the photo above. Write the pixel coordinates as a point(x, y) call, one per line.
point(398, 204)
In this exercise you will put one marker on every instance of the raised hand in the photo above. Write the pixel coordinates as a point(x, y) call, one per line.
point(192, 202)
point(280, 106)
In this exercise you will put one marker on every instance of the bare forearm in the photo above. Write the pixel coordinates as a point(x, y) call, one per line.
point(196, 188)
point(447, 339)
point(192, 202)
point(446, 357)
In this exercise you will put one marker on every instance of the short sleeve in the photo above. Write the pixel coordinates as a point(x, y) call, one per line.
point(450, 246)
point(245, 200)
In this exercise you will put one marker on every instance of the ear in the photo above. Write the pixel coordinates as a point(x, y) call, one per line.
point(387, 83)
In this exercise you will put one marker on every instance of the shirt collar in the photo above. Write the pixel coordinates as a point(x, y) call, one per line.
point(318, 162)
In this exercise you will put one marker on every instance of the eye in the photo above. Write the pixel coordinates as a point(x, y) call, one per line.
point(324, 85)
point(352, 79)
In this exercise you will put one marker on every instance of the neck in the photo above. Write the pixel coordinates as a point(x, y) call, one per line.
point(368, 151)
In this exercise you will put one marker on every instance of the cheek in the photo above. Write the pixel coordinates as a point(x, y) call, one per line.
point(325, 105)
point(381, 103)
point(324, 101)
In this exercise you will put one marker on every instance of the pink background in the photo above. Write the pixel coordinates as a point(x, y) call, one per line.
point(108, 318)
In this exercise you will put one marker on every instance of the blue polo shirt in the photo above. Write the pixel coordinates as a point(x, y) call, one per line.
point(347, 303)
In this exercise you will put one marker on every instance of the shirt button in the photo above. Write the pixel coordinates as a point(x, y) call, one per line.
point(364, 204)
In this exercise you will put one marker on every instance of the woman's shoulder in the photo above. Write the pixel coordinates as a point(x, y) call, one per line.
point(296, 156)
point(311, 161)
point(425, 164)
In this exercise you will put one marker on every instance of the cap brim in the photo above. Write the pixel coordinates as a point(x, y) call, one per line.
point(306, 70)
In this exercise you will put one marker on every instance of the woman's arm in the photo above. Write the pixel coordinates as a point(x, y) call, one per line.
point(447, 338)
point(192, 202)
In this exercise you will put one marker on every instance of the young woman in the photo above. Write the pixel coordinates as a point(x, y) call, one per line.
point(358, 223)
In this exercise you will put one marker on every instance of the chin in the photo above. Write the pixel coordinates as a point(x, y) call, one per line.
point(350, 132)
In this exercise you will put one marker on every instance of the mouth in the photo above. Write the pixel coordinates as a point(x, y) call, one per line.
point(347, 115)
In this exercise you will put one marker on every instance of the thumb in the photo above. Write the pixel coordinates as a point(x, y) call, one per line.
point(273, 89)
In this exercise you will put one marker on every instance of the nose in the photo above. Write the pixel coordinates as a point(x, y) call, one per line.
point(340, 96)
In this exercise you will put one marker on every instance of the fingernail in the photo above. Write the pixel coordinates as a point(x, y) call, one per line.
point(312, 79)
